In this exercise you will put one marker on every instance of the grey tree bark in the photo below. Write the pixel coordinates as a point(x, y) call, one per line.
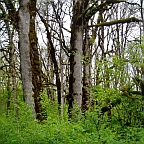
point(75, 81)
point(24, 48)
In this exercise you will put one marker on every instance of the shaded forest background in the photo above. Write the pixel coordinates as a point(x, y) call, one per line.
point(77, 64)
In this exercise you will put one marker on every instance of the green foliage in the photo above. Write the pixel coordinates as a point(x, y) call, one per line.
point(92, 40)
point(112, 69)
point(89, 128)
point(128, 112)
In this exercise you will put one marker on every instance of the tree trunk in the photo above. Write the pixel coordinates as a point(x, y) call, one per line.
point(86, 72)
point(75, 81)
point(35, 62)
point(8, 93)
point(53, 57)
point(13, 74)
point(142, 15)
point(24, 47)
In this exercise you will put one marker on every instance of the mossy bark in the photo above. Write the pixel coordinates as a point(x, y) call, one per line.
point(35, 62)
point(86, 72)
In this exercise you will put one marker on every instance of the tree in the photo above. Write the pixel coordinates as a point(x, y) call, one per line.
point(35, 61)
point(82, 13)
point(75, 80)
point(30, 54)
point(24, 47)
point(86, 71)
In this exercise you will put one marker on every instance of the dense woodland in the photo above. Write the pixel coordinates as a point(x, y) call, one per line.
point(71, 71)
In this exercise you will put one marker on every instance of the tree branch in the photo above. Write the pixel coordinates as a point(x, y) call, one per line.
point(95, 8)
point(127, 20)
point(12, 12)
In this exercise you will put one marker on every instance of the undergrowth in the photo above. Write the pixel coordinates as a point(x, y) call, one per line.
point(90, 128)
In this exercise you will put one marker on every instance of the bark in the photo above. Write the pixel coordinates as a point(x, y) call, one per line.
point(24, 47)
point(121, 21)
point(35, 62)
point(56, 71)
point(142, 15)
point(75, 80)
point(9, 93)
point(62, 75)
point(86, 72)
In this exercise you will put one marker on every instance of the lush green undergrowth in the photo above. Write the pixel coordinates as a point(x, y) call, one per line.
point(55, 130)
point(124, 126)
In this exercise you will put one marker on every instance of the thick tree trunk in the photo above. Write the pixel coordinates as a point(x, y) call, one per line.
point(24, 47)
point(35, 62)
point(75, 81)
